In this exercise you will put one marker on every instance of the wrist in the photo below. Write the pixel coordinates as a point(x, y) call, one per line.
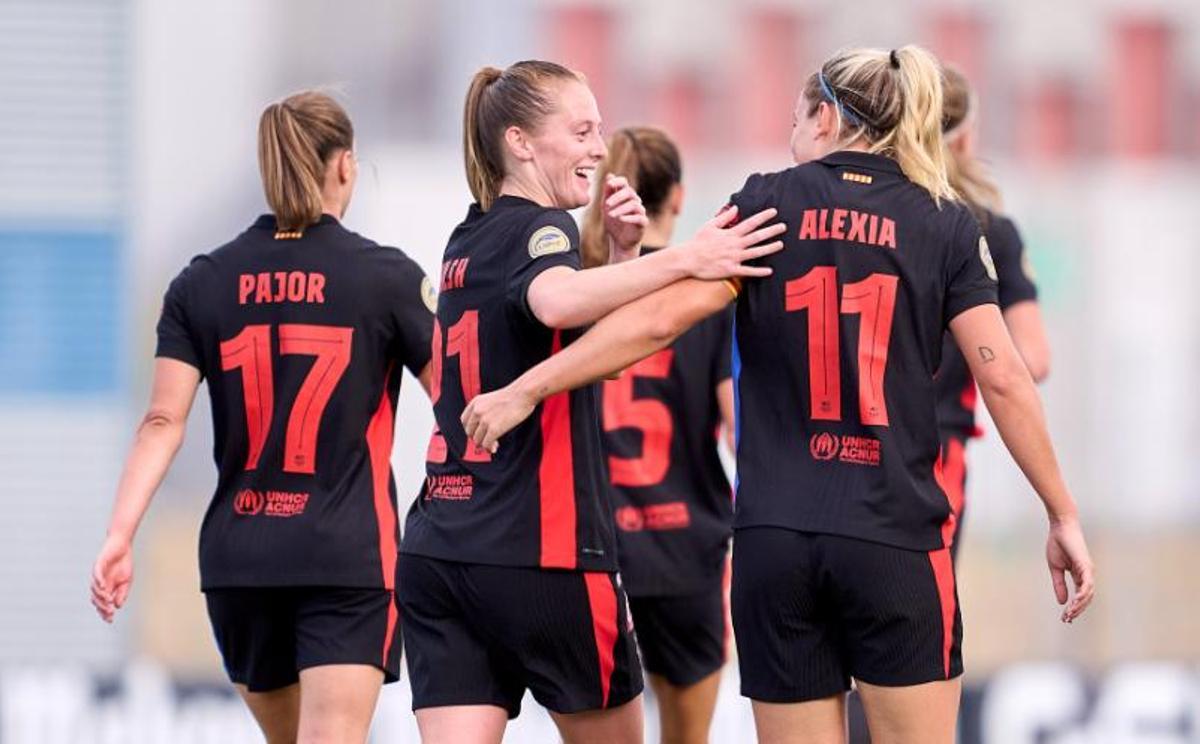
point(618, 252)
point(1063, 514)
point(120, 535)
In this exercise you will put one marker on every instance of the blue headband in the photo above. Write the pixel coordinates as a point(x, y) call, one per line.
point(848, 113)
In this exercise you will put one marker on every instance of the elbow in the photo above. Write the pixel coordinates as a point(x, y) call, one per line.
point(1005, 382)
point(159, 423)
point(557, 311)
point(1038, 364)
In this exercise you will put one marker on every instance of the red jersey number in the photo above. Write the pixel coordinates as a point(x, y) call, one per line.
point(874, 299)
point(651, 417)
point(462, 340)
point(250, 351)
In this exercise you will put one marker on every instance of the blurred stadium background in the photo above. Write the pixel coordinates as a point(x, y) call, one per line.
point(127, 144)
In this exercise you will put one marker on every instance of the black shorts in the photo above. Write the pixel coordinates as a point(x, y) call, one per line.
point(268, 635)
point(482, 635)
point(812, 611)
point(682, 639)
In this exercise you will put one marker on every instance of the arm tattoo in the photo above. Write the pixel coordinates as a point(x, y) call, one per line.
point(987, 355)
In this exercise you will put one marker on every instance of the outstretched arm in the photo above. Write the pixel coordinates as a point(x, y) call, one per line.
point(621, 338)
point(159, 437)
point(1024, 321)
point(561, 297)
point(1013, 402)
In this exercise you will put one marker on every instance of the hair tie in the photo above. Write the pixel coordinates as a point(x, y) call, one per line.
point(848, 112)
point(895, 60)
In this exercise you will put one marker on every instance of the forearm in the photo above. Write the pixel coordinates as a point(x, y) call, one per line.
point(153, 450)
point(1020, 419)
point(624, 336)
point(583, 297)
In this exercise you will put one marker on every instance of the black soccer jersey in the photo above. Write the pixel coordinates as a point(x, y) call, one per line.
point(673, 503)
point(956, 391)
point(541, 500)
point(302, 342)
point(834, 353)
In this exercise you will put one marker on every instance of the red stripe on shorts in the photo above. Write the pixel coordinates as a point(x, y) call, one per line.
point(602, 599)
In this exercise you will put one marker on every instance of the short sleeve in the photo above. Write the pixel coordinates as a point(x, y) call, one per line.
point(971, 273)
point(1012, 263)
point(551, 239)
point(412, 303)
point(752, 197)
point(177, 336)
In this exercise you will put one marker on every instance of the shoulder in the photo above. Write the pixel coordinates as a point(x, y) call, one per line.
point(548, 231)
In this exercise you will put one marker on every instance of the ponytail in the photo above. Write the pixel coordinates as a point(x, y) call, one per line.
point(498, 99)
point(967, 174)
point(893, 100)
point(483, 176)
point(296, 138)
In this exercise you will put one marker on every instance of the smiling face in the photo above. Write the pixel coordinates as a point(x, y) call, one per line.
point(566, 147)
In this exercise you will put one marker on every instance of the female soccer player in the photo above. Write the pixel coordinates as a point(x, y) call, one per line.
point(841, 569)
point(671, 497)
point(956, 392)
point(301, 328)
point(507, 575)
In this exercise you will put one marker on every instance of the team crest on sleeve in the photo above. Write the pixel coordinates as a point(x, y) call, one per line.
point(428, 294)
point(548, 240)
point(985, 255)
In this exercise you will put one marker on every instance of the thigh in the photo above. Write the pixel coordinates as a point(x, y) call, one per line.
point(256, 635)
point(348, 626)
point(451, 661)
point(820, 721)
point(337, 702)
point(682, 638)
point(622, 724)
point(898, 609)
point(917, 714)
point(276, 712)
point(462, 724)
point(786, 628)
point(568, 631)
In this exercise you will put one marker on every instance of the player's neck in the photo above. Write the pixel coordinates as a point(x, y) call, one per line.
point(659, 230)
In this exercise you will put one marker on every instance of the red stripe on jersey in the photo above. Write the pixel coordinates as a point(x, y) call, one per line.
point(602, 599)
point(556, 479)
point(379, 448)
point(943, 573)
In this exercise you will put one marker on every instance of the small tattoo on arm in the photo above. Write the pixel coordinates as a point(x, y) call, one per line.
point(987, 355)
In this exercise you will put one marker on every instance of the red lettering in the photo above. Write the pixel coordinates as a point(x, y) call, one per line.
point(316, 289)
point(839, 220)
point(887, 233)
point(874, 230)
point(280, 286)
point(858, 227)
point(823, 225)
point(263, 293)
point(808, 226)
point(295, 286)
point(245, 287)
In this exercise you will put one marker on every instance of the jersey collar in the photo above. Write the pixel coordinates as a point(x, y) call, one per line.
point(267, 221)
point(864, 160)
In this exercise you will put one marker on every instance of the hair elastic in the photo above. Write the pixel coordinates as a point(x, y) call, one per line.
point(848, 112)
point(894, 59)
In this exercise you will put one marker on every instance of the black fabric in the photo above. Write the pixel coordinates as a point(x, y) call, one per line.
point(542, 500)
point(279, 327)
point(482, 635)
point(835, 352)
point(956, 392)
point(673, 502)
point(268, 636)
point(682, 638)
point(812, 611)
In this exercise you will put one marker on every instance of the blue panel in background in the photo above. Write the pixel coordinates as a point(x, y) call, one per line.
point(60, 315)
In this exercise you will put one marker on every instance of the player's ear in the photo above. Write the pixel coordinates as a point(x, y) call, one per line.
point(346, 163)
point(518, 144)
point(675, 199)
point(827, 122)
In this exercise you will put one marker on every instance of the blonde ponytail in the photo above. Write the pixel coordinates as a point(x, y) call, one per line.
point(296, 138)
point(967, 175)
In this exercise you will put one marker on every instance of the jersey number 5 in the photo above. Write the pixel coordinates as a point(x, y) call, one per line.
point(874, 298)
point(651, 417)
point(250, 351)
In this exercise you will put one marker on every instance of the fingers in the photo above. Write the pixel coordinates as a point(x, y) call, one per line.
point(1059, 580)
point(639, 218)
point(623, 195)
point(755, 221)
point(629, 207)
point(1085, 589)
point(469, 420)
point(766, 233)
point(121, 595)
point(762, 250)
point(725, 217)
